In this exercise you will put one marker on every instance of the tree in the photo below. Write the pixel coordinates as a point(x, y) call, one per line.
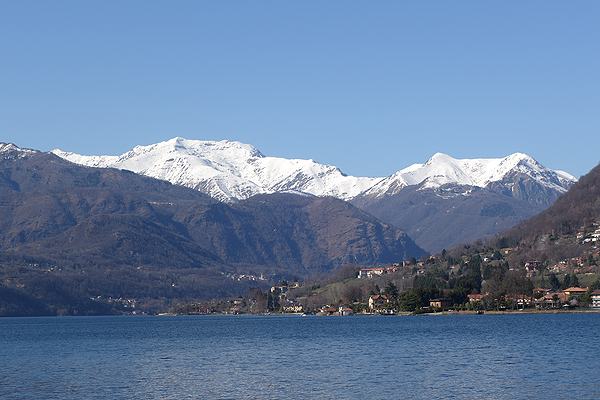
point(574, 280)
point(515, 283)
point(587, 297)
point(566, 281)
point(409, 300)
point(351, 293)
point(391, 290)
point(272, 302)
point(554, 282)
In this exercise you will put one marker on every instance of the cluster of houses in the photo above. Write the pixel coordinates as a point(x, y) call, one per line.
point(367, 273)
point(341, 311)
point(542, 299)
point(578, 265)
point(372, 272)
point(593, 236)
point(124, 303)
point(546, 298)
point(378, 304)
point(279, 299)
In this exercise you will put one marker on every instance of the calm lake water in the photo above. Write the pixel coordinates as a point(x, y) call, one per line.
point(423, 357)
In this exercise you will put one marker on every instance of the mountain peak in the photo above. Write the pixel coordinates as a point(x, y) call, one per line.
point(439, 157)
point(521, 156)
point(5, 147)
point(202, 146)
point(11, 147)
point(442, 169)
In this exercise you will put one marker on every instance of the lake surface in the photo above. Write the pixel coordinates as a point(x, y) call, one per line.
point(245, 357)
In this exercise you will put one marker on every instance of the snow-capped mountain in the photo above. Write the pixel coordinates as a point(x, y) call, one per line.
point(441, 203)
point(9, 150)
point(447, 201)
point(229, 171)
point(441, 169)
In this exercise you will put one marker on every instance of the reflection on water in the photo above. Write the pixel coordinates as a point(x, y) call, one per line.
point(454, 357)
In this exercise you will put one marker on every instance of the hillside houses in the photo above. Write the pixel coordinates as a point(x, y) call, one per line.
point(367, 273)
point(591, 235)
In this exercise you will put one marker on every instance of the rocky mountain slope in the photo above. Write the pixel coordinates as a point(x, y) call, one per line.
point(449, 215)
point(560, 231)
point(46, 198)
point(440, 203)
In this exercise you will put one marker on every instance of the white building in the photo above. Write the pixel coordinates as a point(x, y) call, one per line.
point(596, 299)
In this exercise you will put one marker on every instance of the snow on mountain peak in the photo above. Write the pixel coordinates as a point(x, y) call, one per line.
point(439, 157)
point(443, 169)
point(6, 147)
point(14, 149)
point(230, 170)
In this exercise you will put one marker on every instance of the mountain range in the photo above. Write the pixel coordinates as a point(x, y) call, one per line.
point(80, 238)
point(74, 232)
point(440, 203)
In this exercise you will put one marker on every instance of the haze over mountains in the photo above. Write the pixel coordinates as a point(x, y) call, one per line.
point(440, 203)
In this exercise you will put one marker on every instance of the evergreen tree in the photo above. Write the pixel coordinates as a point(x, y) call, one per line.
point(391, 290)
point(409, 300)
point(574, 280)
point(566, 281)
point(554, 282)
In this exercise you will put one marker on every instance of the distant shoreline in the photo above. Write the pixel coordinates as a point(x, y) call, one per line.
point(405, 314)
point(526, 311)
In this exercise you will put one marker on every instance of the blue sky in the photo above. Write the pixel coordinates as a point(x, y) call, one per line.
point(368, 86)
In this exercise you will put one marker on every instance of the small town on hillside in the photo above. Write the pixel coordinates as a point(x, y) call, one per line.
point(479, 282)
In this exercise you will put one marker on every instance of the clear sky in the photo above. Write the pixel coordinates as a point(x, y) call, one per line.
point(369, 86)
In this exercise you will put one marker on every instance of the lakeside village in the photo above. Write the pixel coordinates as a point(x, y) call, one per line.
point(483, 281)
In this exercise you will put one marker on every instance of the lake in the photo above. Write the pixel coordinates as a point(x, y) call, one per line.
point(292, 357)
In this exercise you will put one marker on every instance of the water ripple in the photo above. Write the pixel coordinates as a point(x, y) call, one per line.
point(457, 357)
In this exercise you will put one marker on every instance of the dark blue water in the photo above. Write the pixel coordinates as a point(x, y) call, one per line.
point(425, 357)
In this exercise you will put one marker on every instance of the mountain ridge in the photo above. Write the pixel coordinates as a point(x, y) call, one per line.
point(230, 171)
point(56, 209)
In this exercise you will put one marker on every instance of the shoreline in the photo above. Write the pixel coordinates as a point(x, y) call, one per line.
point(511, 312)
point(404, 314)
